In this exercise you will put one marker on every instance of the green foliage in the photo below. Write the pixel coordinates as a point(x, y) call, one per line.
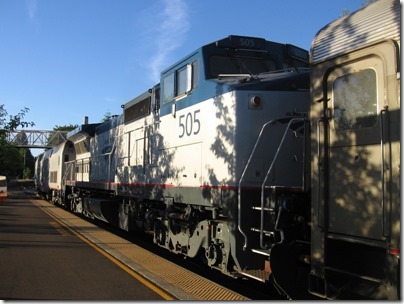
point(346, 12)
point(27, 173)
point(56, 140)
point(16, 162)
point(10, 161)
point(13, 160)
point(67, 128)
point(107, 116)
point(367, 2)
point(11, 122)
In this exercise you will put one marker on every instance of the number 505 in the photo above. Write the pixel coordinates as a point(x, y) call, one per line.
point(189, 124)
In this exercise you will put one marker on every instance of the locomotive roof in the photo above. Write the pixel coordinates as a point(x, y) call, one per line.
point(382, 19)
point(82, 131)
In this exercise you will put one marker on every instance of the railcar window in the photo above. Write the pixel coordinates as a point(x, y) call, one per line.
point(237, 65)
point(168, 88)
point(3, 183)
point(355, 100)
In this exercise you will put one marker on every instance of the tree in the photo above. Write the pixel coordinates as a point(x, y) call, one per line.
point(367, 2)
point(346, 12)
point(12, 159)
point(66, 128)
point(107, 116)
point(12, 122)
point(28, 163)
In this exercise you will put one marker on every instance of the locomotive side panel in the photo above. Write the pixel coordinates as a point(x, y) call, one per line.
point(103, 148)
point(60, 154)
point(42, 173)
point(277, 107)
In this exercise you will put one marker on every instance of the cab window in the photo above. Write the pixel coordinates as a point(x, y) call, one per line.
point(180, 82)
point(168, 88)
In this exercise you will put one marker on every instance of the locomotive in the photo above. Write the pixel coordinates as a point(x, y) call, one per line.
point(178, 161)
point(246, 158)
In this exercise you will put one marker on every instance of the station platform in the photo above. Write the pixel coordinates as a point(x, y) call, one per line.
point(172, 281)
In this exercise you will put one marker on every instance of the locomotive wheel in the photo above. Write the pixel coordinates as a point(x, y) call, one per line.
point(214, 255)
point(159, 234)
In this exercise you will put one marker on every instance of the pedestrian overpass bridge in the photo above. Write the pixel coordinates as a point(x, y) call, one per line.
point(35, 138)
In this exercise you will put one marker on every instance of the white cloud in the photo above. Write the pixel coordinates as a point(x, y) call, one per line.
point(32, 9)
point(172, 27)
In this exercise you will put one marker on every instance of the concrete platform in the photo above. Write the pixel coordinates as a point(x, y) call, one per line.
point(175, 282)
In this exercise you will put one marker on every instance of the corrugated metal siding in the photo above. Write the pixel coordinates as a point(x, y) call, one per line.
point(368, 25)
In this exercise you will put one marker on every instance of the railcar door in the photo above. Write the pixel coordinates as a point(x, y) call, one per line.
point(357, 150)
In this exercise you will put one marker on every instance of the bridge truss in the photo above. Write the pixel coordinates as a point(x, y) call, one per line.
point(35, 138)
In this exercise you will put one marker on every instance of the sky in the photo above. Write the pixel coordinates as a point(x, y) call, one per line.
point(66, 59)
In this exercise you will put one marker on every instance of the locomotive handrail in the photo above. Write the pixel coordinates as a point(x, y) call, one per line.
point(319, 176)
point(384, 111)
point(241, 179)
point(271, 122)
point(69, 164)
point(303, 119)
point(109, 163)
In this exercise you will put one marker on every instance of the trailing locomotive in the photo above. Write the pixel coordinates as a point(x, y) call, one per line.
point(230, 158)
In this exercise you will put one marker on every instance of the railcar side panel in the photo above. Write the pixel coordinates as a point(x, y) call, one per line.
point(355, 118)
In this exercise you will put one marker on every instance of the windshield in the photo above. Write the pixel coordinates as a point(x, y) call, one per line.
point(238, 65)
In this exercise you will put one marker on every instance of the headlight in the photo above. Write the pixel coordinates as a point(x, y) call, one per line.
point(255, 102)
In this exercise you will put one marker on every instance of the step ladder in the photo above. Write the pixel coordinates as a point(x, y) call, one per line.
point(266, 209)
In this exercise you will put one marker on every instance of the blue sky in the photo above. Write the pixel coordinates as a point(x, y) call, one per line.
point(66, 59)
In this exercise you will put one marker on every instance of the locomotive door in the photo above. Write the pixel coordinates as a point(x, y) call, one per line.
point(358, 147)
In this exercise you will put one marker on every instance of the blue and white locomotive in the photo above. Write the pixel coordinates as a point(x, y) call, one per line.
point(211, 160)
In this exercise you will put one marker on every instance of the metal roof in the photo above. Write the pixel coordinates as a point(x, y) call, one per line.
point(368, 25)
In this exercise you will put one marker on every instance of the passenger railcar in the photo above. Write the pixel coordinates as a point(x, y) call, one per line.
point(355, 115)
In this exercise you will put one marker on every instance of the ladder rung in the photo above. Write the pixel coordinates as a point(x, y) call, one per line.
point(260, 275)
point(266, 252)
point(265, 209)
point(283, 188)
point(264, 231)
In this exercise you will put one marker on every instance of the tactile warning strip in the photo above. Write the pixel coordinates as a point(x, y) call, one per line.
point(181, 283)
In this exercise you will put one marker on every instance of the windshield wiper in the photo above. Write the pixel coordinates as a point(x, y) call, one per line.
point(283, 71)
point(240, 76)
